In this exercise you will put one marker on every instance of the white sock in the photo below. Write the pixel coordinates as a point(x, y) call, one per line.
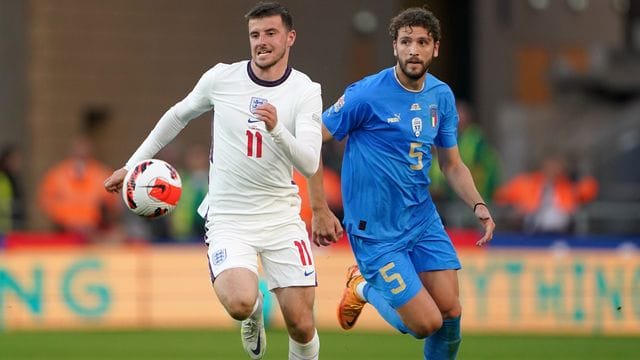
point(360, 290)
point(308, 351)
point(257, 307)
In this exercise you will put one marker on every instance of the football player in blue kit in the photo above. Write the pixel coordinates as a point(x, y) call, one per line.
point(406, 264)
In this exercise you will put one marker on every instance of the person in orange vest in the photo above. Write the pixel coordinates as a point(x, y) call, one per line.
point(332, 190)
point(546, 200)
point(72, 194)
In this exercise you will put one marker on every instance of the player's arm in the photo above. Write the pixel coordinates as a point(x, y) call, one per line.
point(303, 149)
point(167, 128)
point(461, 181)
point(325, 226)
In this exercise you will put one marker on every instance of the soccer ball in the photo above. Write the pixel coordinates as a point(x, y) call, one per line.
point(152, 188)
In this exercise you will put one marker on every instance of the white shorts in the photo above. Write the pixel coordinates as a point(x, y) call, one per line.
point(284, 251)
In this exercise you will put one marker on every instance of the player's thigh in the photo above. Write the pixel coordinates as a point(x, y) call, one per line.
point(286, 257)
point(434, 250)
point(387, 267)
point(436, 260)
point(233, 266)
point(296, 304)
point(443, 287)
point(237, 289)
point(421, 314)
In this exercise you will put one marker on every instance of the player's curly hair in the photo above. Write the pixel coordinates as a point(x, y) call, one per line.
point(270, 8)
point(415, 16)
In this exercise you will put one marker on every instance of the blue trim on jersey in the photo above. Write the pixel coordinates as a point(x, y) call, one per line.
point(267, 83)
point(388, 152)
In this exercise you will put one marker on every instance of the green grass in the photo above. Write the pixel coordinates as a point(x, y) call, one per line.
point(353, 345)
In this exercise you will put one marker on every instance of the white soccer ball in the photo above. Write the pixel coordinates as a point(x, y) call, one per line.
point(152, 188)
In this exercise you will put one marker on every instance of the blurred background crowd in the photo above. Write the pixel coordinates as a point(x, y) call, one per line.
point(548, 97)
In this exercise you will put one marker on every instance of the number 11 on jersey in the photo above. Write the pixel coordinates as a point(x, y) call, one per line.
point(254, 137)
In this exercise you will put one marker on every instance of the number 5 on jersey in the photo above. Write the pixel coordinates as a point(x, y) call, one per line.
point(254, 144)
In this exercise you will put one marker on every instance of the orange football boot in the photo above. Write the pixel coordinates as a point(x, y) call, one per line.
point(350, 305)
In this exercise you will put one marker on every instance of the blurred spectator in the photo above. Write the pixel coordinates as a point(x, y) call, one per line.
point(476, 152)
point(547, 199)
point(12, 209)
point(332, 190)
point(72, 194)
point(186, 223)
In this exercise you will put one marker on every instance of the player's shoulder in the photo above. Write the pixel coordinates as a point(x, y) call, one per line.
point(223, 73)
point(378, 81)
point(303, 81)
point(301, 77)
point(433, 83)
point(226, 69)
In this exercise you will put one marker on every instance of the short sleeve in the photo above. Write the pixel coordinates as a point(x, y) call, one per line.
point(342, 117)
point(448, 130)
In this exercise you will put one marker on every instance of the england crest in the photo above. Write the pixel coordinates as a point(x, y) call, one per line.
point(219, 256)
point(416, 125)
point(255, 102)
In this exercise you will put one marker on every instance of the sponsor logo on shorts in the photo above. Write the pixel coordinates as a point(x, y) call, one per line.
point(308, 272)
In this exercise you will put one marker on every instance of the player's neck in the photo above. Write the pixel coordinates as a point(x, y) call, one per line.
point(271, 73)
point(407, 82)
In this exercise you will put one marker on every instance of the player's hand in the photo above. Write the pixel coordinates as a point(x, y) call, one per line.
point(268, 114)
point(113, 183)
point(325, 227)
point(484, 216)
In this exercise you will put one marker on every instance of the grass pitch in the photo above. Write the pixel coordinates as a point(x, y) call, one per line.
point(352, 345)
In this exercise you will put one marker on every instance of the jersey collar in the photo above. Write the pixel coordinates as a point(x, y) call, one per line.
point(267, 83)
point(395, 75)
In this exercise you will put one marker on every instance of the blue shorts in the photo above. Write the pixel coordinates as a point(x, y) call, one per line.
point(392, 267)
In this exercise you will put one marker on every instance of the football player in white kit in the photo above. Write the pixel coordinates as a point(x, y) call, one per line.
point(267, 118)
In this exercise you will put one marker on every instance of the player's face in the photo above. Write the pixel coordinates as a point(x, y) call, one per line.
point(270, 41)
point(415, 50)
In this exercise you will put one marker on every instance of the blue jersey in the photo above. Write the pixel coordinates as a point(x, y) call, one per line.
point(387, 157)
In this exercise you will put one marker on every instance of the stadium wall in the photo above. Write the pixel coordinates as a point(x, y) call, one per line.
point(503, 290)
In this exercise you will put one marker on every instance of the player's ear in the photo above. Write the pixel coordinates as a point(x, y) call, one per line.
point(291, 38)
point(395, 52)
point(436, 49)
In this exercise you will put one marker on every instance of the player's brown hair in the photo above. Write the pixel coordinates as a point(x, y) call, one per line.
point(415, 16)
point(270, 8)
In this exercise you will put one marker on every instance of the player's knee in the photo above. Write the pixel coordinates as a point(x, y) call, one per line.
point(301, 331)
point(452, 312)
point(240, 309)
point(426, 328)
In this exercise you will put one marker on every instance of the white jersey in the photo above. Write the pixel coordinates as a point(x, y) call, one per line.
point(250, 176)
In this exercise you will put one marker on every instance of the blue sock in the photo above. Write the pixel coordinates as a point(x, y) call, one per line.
point(384, 309)
point(444, 343)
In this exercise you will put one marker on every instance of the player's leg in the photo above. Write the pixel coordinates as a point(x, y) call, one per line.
point(392, 286)
point(234, 268)
point(436, 261)
point(443, 287)
point(296, 304)
point(289, 270)
point(237, 290)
